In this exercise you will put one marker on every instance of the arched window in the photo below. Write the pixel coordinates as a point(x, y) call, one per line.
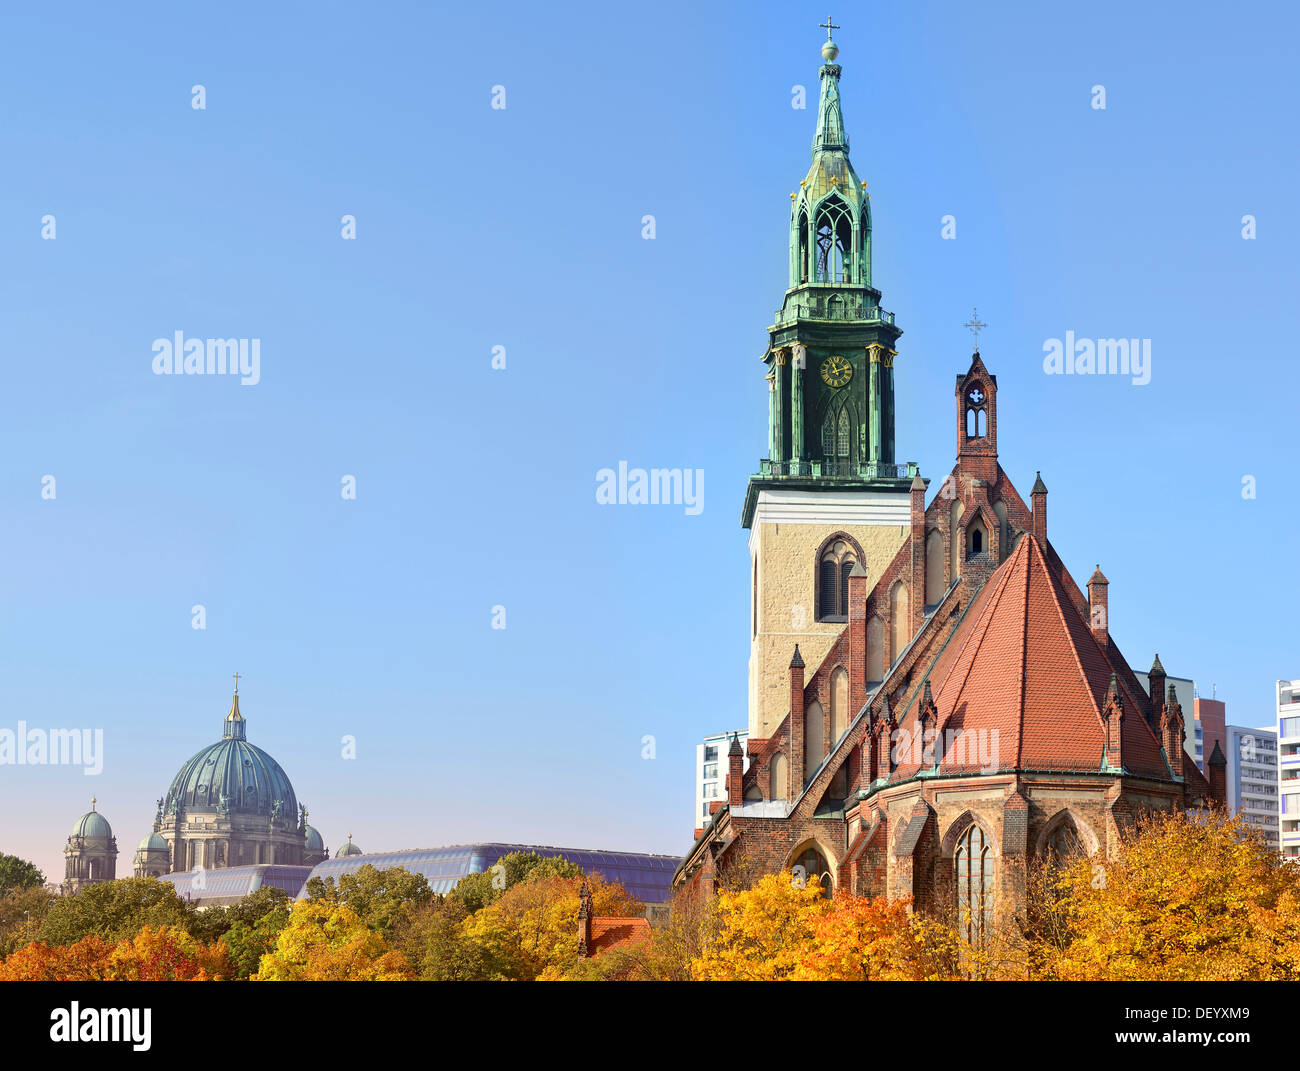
point(977, 538)
point(833, 571)
point(834, 242)
point(1063, 843)
point(815, 869)
point(973, 865)
point(976, 541)
point(814, 739)
point(780, 776)
point(933, 567)
point(803, 247)
point(977, 419)
point(837, 439)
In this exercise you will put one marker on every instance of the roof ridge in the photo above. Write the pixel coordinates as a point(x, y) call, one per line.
point(1024, 657)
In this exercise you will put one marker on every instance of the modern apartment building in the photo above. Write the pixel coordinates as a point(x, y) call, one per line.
point(1288, 764)
point(711, 772)
point(1253, 779)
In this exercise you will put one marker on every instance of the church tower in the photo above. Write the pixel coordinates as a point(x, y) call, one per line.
point(829, 497)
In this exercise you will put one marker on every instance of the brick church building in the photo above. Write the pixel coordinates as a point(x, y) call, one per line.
point(934, 702)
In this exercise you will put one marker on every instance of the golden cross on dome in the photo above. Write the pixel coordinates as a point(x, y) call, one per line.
point(93, 801)
point(236, 676)
point(828, 26)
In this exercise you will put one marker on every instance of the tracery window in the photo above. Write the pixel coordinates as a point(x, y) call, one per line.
point(834, 242)
point(1064, 844)
point(973, 864)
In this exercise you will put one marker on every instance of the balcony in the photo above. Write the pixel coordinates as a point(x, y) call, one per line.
point(841, 302)
point(839, 470)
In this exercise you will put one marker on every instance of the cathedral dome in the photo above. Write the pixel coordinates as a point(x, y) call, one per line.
point(93, 826)
point(348, 849)
point(315, 842)
point(154, 842)
point(233, 777)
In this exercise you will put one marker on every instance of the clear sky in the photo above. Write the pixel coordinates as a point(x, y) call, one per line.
point(522, 228)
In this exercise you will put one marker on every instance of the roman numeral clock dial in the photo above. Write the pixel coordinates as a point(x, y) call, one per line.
point(836, 371)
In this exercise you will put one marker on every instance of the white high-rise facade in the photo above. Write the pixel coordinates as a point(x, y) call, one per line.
point(1288, 764)
point(711, 772)
point(1253, 779)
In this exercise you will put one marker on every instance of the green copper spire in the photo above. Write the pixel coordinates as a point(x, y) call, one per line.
point(830, 215)
point(830, 120)
point(830, 355)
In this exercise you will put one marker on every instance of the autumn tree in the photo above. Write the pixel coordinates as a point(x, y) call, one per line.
point(167, 954)
point(533, 926)
point(22, 913)
point(862, 939)
point(378, 897)
point(329, 942)
point(1185, 897)
point(433, 939)
point(17, 874)
point(476, 891)
point(764, 933)
point(85, 960)
point(114, 910)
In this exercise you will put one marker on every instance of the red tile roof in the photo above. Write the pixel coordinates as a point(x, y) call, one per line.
point(607, 933)
point(1024, 671)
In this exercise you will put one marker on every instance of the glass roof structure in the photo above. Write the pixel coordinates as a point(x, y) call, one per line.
point(646, 877)
point(228, 885)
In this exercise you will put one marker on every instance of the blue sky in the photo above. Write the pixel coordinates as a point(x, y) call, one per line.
point(481, 227)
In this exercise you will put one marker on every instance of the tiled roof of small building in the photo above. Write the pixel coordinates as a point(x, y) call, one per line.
point(607, 933)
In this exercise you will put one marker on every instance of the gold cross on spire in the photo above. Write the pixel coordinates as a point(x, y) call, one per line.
point(828, 26)
point(93, 801)
point(974, 326)
point(236, 676)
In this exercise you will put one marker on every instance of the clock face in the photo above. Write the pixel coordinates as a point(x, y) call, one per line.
point(836, 371)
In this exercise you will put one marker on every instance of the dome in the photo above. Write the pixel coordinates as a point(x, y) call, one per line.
point(93, 826)
point(315, 842)
point(348, 849)
point(154, 842)
point(233, 777)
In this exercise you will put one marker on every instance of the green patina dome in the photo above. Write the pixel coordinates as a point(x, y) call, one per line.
point(348, 849)
point(154, 842)
point(93, 826)
point(315, 842)
point(233, 777)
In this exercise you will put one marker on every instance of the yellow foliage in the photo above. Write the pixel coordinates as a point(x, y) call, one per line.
point(329, 942)
point(764, 933)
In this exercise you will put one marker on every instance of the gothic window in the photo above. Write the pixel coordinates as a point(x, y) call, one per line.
point(977, 538)
point(1064, 844)
point(973, 865)
point(837, 439)
point(803, 247)
point(977, 420)
point(833, 571)
point(834, 242)
point(814, 870)
point(976, 541)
